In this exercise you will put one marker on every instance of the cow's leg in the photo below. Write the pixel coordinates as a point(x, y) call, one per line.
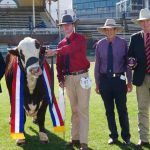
point(41, 122)
point(34, 120)
point(21, 142)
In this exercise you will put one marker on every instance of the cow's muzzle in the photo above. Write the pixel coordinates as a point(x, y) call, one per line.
point(36, 71)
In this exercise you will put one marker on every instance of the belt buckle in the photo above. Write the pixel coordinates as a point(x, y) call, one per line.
point(114, 75)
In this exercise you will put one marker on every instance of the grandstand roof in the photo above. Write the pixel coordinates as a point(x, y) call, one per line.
point(26, 3)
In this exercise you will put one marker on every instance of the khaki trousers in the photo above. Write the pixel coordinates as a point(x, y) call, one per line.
point(79, 101)
point(143, 98)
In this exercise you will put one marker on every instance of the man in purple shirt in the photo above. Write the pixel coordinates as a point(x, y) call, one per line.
point(110, 70)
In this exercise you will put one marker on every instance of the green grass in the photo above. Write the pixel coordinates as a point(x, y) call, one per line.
point(98, 132)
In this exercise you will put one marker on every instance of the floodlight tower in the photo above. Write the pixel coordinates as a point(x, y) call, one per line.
point(146, 3)
point(58, 15)
point(33, 4)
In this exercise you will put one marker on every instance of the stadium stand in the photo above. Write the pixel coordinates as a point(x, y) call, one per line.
point(17, 23)
point(88, 27)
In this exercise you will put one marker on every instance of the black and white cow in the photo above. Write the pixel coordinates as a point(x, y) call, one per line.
point(30, 60)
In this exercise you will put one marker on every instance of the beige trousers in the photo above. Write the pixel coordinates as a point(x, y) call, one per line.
point(79, 101)
point(143, 98)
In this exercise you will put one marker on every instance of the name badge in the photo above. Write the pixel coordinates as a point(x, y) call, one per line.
point(85, 82)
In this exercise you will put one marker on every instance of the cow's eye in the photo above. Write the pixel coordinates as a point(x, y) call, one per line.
point(22, 56)
point(37, 44)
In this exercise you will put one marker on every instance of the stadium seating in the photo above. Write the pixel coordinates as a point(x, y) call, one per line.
point(20, 18)
point(16, 23)
point(88, 27)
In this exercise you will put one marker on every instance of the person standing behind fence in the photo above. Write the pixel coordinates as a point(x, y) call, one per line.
point(139, 58)
point(2, 69)
point(72, 72)
point(110, 69)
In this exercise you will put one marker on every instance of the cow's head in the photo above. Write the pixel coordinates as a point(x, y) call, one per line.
point(28, 51)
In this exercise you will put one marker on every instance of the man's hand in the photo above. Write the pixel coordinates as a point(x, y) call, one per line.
point(129, 87)
point(97, 89)
point(61, 84)
point(50, 52)
point(132, 63)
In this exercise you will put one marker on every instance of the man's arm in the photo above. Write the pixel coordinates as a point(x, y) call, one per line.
point(2, 66)
point(78, 44)
point(128, 71)
point(132, 60)
point(59, 67)
point(96, 70)
point(131, 48)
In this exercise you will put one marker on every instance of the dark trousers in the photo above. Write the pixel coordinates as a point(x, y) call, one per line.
point(113, 91)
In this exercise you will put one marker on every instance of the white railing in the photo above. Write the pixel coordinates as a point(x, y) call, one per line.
point(8, 6)
point(25, 31)
point(128, 7)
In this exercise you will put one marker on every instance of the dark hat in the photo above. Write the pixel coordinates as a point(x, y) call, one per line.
point(67, 19)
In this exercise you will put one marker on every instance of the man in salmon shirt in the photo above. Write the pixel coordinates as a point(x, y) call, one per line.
point(72, 72)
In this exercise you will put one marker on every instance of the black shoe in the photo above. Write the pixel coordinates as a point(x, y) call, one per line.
point(127, 142)
point(73, 143)
point(142, 143)
point(112, 141)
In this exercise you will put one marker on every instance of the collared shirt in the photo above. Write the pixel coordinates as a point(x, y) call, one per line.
point(76, 49)
point(119, 58)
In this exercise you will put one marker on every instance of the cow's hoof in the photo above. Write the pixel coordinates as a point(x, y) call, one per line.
point(43, 138)
point(35, 120)
point(20, 142)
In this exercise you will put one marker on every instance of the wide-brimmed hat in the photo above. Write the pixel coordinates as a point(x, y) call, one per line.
point(67, 19)
point(110, 23)
point(143, 15)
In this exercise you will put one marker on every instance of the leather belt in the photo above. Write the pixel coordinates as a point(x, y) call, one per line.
point(147, 73)
point(77, 72)
point(114, 74)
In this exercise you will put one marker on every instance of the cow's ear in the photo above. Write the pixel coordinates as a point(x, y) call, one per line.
point(13, 51)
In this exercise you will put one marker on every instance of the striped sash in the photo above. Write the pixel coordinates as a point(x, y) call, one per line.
point(17, 102)
point(56, 116)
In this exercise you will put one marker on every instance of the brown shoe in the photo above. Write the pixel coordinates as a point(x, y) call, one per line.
point(83, 146)
point(142, 143)
point(73, 143)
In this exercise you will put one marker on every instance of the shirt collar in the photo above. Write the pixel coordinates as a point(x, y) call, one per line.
point(113, 41)
point(71, 37)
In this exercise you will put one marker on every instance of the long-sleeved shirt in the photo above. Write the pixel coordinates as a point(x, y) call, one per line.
point(120, 50)
point(76, 50)
point(2, 69)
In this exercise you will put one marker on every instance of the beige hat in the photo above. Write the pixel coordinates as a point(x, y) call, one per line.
point(110, 23)
point(144, 15)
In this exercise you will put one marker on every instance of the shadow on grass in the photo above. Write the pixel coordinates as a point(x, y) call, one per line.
point(33, 143)
point(55, 142)
point(131, 146)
